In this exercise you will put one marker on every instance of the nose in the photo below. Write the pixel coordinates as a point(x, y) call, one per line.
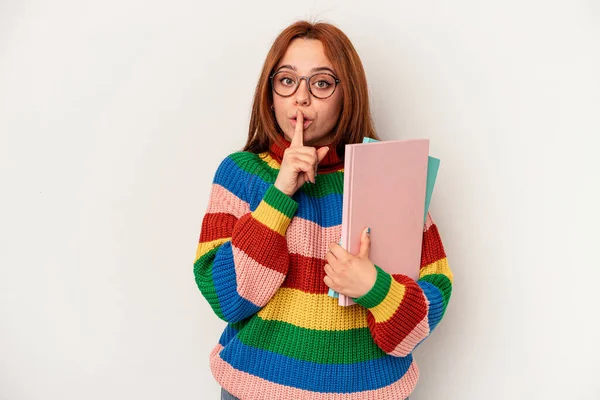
point(302, 95)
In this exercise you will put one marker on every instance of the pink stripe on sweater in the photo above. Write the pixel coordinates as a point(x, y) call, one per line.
point(255, 282)
point(428, 222)
point(407, 345)
point(308, 239)
point(250, 387)
point(223, 201)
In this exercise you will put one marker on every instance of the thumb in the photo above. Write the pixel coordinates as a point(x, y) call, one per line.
point(365, 244)
point(321, 153)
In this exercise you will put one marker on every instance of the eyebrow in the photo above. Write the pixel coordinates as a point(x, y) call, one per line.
point(316, 69)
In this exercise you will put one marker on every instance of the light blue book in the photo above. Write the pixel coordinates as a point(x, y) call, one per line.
point(433, 165)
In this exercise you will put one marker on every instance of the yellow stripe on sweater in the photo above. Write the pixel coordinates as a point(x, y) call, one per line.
point(205, 247)
point(273, 163)
point(272, 218)
point(270, 161)
point(437, 267)
point(313, 311)
point(386, 309)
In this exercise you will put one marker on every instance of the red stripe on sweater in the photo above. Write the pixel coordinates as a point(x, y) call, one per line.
point(432, 249)
point(306, 274)
point(407, 316)
point(261, 243)
point(217, 226)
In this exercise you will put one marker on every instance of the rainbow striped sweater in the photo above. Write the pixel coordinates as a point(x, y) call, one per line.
point(260, 265)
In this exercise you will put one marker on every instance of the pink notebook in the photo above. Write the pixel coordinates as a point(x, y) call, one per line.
point(384, 189)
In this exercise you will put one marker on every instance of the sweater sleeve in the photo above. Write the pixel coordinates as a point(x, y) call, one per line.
point(403, 312)
point(242, 256)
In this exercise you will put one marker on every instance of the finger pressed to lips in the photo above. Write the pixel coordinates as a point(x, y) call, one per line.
point(298, 139)
point(306, 122)
point(304, 125)
point(304, 116)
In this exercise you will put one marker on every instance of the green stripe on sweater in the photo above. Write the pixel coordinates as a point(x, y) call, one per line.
point(442, 283)
point(330, 183)
point(324, 347)
point(280, 201)
point(378, 292)
point(203, 267)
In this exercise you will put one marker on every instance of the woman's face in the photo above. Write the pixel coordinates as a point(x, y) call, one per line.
point(305, 57)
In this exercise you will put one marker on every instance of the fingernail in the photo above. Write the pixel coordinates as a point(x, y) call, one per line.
point(368, 231)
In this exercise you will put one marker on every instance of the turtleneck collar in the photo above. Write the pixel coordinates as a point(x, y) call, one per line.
point(332, 162)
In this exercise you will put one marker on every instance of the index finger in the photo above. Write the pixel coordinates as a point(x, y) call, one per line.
point(298, 139)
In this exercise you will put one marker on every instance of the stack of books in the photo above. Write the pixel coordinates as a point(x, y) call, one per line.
point(387, 187)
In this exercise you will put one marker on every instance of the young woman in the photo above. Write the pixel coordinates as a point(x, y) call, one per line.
point(268, 250)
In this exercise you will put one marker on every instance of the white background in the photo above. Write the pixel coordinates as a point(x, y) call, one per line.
point(114, 116)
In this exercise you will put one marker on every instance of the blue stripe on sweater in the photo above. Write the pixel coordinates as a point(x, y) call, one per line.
point(232, 177)
point(228, 334)
point(234, 307)
point(436, 303)
point(325, 211)
point(327, 378)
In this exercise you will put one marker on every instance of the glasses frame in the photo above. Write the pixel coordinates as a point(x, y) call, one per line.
point(307, 79)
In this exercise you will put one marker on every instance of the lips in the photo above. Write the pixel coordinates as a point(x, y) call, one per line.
point(306, 124)
point(307, 121)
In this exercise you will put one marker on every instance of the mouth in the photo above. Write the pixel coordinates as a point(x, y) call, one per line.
point(307, 121)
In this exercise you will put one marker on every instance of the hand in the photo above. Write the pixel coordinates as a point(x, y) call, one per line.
point(352, 276)
point(299, 163)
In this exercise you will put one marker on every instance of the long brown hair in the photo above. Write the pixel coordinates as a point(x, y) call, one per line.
point(355, 121)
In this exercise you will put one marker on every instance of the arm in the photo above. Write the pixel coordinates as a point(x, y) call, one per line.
point(402, 312)
point(242, 256)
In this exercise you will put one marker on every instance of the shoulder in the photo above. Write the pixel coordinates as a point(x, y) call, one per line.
point(242, 163)
point(243, 169)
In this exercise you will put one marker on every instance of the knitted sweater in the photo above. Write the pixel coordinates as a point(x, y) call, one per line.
point(260, 265)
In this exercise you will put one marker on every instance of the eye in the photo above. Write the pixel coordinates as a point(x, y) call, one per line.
point(322, 84)
point(287, 81)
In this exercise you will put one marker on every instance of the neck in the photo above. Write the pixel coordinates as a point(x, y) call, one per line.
point(332, 162)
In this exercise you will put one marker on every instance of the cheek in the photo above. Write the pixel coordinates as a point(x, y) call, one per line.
point(277, 101)
point(280, 111)
point(332, 114)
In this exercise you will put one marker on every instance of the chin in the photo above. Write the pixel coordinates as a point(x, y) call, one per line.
point(323, 140)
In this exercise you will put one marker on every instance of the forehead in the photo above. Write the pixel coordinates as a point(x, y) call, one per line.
point(305, 54)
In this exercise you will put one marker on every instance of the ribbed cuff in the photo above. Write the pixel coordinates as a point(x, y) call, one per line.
point(378, 292)
point(276, 210)
point(281, 201)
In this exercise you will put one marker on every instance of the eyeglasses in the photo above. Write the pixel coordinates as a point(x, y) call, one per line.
point(320, 85)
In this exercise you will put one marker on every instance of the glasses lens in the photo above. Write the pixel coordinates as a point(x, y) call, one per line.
point(322, 85)
point(284, 83)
